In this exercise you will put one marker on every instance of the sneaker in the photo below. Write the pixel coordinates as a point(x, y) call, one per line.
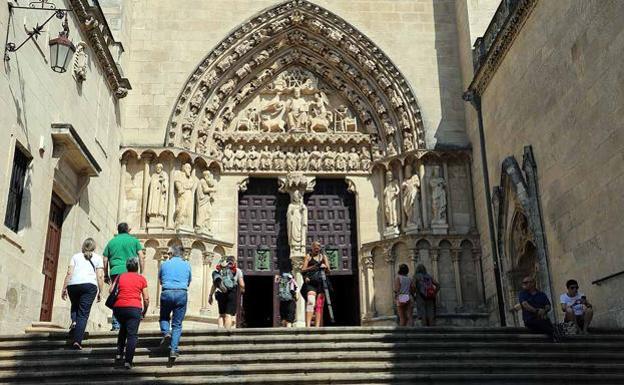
point(165, 341)
point(174, 354)
point(127, 365)
point(118, 357)
point(76, 346)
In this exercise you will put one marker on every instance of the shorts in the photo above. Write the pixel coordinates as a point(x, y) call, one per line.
point(227, 302)
point(288, 310)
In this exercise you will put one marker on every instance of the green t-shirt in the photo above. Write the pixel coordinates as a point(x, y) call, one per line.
point(119, 249)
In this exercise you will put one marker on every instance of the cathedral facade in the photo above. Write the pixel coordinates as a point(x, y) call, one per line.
point(252, 128)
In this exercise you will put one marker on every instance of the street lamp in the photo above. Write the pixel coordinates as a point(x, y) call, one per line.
point(61, 47)
point(61, 50)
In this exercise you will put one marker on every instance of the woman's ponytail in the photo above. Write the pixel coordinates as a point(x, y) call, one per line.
point(88, 246)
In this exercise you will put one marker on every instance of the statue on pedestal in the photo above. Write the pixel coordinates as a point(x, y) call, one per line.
point(391, 195)
point(205, 197)
point(157, 197)
point(410, 188)
point(185, 185)
point(297, 217)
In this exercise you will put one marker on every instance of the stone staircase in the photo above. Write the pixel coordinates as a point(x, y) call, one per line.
point(341, 355)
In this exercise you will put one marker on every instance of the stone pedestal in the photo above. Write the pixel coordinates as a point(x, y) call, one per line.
point(391, 232)
point(412, 228)
point(297, 264)
point(439, 228)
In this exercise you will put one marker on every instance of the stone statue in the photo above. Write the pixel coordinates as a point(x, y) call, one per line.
point(354, 160)
point(228, 157)
point(438, 197)
point(249, 121)
point(315, 159)
point(321, 118)
point(253, 159)
point(298, 109)
point(297, 217)
point(205, 197)
point(239, 158)
point(410, 189)
point(278, 160)
point(265, 158)
point(366, 159)
point(157, 198)
point(291, 160)
point(328, 159)
point(391, 148)
point(391, 194)
point(340, 160)
point(271, 115)
point(302, 159)
point(185, 185)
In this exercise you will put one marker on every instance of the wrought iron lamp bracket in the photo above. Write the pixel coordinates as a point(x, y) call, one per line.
point(42, 5)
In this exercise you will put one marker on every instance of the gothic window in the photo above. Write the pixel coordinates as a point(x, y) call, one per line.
point(21, 160)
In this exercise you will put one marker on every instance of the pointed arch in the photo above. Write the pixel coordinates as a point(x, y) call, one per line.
point(297, 34)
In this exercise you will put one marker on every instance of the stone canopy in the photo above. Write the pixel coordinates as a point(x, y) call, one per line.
point(293, 80)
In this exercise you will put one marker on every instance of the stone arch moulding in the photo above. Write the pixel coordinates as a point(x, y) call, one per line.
point(296, 81)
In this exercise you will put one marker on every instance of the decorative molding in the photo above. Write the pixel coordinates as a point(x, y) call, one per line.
point(490, 50)
point(94, 27)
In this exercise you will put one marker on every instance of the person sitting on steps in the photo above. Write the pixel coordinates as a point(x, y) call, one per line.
point(576, 307)
point(535, 308)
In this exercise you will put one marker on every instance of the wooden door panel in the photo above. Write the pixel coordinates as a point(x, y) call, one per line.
point(51, 256)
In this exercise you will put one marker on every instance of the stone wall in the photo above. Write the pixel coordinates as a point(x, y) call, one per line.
point(32, 98)
point(559, 90)
point(169, 39)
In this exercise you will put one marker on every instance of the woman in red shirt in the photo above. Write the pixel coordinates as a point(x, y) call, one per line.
point(129, 309)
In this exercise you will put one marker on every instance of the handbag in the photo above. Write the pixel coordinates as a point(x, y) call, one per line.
point(112, 296)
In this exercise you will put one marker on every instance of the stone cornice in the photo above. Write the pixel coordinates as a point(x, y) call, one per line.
point(490, 50)
point(433, 240)
point(95, 29)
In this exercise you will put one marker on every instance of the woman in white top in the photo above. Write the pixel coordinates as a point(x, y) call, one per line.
point(84, 281)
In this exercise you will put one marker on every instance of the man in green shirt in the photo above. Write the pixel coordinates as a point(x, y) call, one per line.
point(118, 250)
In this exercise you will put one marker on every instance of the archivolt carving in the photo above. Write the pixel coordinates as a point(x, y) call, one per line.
point(296, 75)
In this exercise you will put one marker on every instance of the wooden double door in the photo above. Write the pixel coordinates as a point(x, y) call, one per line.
point(263, 249)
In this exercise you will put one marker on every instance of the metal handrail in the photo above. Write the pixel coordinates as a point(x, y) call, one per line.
point(601, 280)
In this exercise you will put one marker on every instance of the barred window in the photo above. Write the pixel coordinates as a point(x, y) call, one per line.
point(16, 189)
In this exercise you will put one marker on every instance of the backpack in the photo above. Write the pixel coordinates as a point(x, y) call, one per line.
point(283, 291)
point(228, 278)
point(426, 287)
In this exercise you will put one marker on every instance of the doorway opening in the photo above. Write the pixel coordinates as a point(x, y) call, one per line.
point(258, 301)
point(51, 256)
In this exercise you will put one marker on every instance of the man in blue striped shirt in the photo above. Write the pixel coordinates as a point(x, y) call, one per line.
point(175, 278)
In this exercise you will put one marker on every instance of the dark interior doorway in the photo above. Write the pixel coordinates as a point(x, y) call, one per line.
point(258, 301)
point(345, 302)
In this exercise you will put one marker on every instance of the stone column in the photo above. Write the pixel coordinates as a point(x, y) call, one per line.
point(390, 259)
point(434, 254)
point(424, 197)
point(161, 256)
point(368, 263)
point(449, 200)
point(171, 195)
point(146, 178)
point(121, 209)
point(207, 257)
point(476, 259)
point(455, 255)
point(297, 265)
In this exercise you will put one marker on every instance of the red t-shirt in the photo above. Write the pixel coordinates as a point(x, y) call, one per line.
point(131, 286)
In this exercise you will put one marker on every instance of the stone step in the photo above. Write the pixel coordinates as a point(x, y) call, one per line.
point(80, 361)
point(302, 369)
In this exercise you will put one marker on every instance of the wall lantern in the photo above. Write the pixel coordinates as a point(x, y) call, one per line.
point(61, 47)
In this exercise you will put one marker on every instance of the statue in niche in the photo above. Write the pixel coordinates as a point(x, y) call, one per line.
point(261, 57)
point(249, 121)
point(228, 157)
point(239, 158)
point(298, 110)
point(205, 197)
point(243, 71)
point(302, 159)
point(315, 159)
point(185, 185)
point(271, 115)
point(253, 159)
point(354, 160)
point(366, 159)
point(328, 159)
point(391, 148)
point(227, 87)
point(410, 188)
point(391, 195)
point(278, 160)
point(201, 146)
point(265, 158)
point(438, 196)
point(340, 160)
point(408, 142)
point(297, 221)
point(291, 160)
point(187, 133)
point(320, 117)
point(157, 197)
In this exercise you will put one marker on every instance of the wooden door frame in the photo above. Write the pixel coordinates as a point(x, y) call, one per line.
point(49, 286)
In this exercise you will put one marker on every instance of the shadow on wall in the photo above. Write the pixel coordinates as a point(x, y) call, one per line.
point(450, 132)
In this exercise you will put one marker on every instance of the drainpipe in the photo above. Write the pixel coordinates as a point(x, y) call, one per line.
point(475, 100)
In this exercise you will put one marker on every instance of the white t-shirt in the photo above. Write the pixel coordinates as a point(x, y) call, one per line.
point(83, 271)
point(575, 302)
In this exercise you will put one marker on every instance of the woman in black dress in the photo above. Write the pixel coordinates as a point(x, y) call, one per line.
point(312, 284)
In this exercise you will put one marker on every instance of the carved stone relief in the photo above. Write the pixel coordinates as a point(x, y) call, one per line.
point(157, 198)
point(391, 199)
point(80, 62)
point(410, 189)
point(185, 185)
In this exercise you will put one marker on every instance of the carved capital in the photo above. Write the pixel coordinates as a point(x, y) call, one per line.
point(243, 184)
point(162, 254)
point(434, 254)
point(351, 186)
point(297, 263)
point(207, 257)
point(296, 181)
